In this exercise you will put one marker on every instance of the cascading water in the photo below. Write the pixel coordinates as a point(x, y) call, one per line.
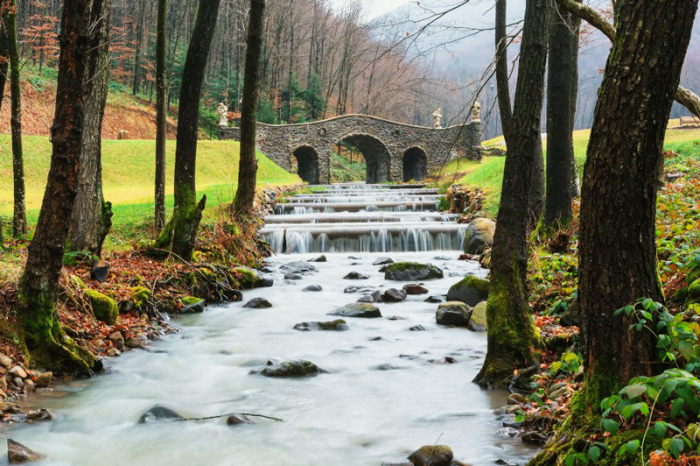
point(358, 223)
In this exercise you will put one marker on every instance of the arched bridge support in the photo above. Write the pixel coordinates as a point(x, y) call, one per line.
point(393, 151)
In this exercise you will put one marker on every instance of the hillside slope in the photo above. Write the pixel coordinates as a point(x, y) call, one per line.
point(123, 112)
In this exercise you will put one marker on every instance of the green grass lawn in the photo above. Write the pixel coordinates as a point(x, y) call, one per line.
point(128, 173)
point(488, 174)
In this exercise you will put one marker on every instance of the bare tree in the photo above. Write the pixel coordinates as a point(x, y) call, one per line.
point(161, 131)
point(248, 165)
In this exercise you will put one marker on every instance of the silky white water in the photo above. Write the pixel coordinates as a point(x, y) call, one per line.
point(354, 415)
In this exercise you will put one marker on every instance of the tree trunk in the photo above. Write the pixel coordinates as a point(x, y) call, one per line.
point(19, 222)
point(502, 76)
point(4, 60)
point(161, 129)
point(618, 208)
point(561, 101)
point(41, 330)
point(512, 336)
point(180, 233)
point(139, 45)
point(248, 166)
point(92, 216)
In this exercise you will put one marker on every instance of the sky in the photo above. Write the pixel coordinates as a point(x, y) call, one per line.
point(373, 8)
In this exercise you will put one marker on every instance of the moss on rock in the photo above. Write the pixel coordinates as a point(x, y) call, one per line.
point(140, 296)
point(246, 278)
point(694, 291)
point(471, 290)
point(412, 271)
point(104, 307)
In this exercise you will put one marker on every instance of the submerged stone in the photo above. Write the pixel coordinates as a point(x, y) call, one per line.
point(415, 289)
point(298, 267)
point(258, 303)
point(337, 325)
point(313, 288)
point(159, 413)
point(356, 276)
point(392, 295)
point(238, 419)
point(295, 368)
point(364, 310)
point(19, 454)
point(412, 271)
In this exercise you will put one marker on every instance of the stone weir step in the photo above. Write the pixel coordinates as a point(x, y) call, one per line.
point(357, 206)
point(353, 231)
point(388, 197)
point(360, 217)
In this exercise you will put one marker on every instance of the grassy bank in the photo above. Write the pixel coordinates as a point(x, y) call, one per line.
point(488, 174)
point(129, 172)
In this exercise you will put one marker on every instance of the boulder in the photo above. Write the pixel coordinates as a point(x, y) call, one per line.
point(415, 289)
point(295, 368)
point(433, 299)
point(19, 454)
point(411, 272)
point(471, 290)
point(313, 288)
point(258, 303)
point(192, 305)
point(479, 235)
point(39, 415)
point(432, 455)
point(104, 307)
point(363, 310)
point(44, 379)
point(453, 313)
point(99, 271)
point(392, 295)
point(356, 276)
point(292, 276)
point(570, 317)
point(238, 419)
point(159, 413)
point(319, 259)
point(338, 325)
point(694, 291)
point(298, 267)
point(383, 261)
point(477, 322)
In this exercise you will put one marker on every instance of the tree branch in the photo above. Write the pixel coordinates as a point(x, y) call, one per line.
point(684, 96)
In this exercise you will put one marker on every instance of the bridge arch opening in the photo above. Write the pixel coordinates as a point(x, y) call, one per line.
point(307, 164)
point(415, 164)
point(376, 155)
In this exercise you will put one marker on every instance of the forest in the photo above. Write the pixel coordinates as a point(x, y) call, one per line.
point(285, 232)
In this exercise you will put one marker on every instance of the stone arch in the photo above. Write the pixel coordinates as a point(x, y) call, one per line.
point(415, 164)
point(307, 164)
point(376, 154)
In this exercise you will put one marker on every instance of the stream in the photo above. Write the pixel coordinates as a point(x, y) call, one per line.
point(387, 390)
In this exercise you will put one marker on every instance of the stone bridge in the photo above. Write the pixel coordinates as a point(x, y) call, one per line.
point(393, 151)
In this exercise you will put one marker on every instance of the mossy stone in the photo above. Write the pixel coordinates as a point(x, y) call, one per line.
point(470, 290)
point(104, 307)
point(247, 278)
point(478, 320)
point(140, 296)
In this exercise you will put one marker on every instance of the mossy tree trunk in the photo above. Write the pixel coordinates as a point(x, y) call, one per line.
point(618, 206)
point(19, 222)
point(161, 131)
point(92, 216)
point(512, 336)
point(248, 165)
point(180, 233)
point(41, 331)
point(562, 87)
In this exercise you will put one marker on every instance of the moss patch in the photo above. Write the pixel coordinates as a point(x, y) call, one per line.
point(104, 307)
point(479, 284)
point(140, 296)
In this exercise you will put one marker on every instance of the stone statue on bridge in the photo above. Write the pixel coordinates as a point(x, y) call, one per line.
point(476, 111)
point(222, 110)
point(437, 119)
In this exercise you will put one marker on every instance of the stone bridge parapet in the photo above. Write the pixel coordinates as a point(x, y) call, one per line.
point(393, 151)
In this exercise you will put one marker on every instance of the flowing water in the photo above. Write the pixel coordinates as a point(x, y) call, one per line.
point(385, 392)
